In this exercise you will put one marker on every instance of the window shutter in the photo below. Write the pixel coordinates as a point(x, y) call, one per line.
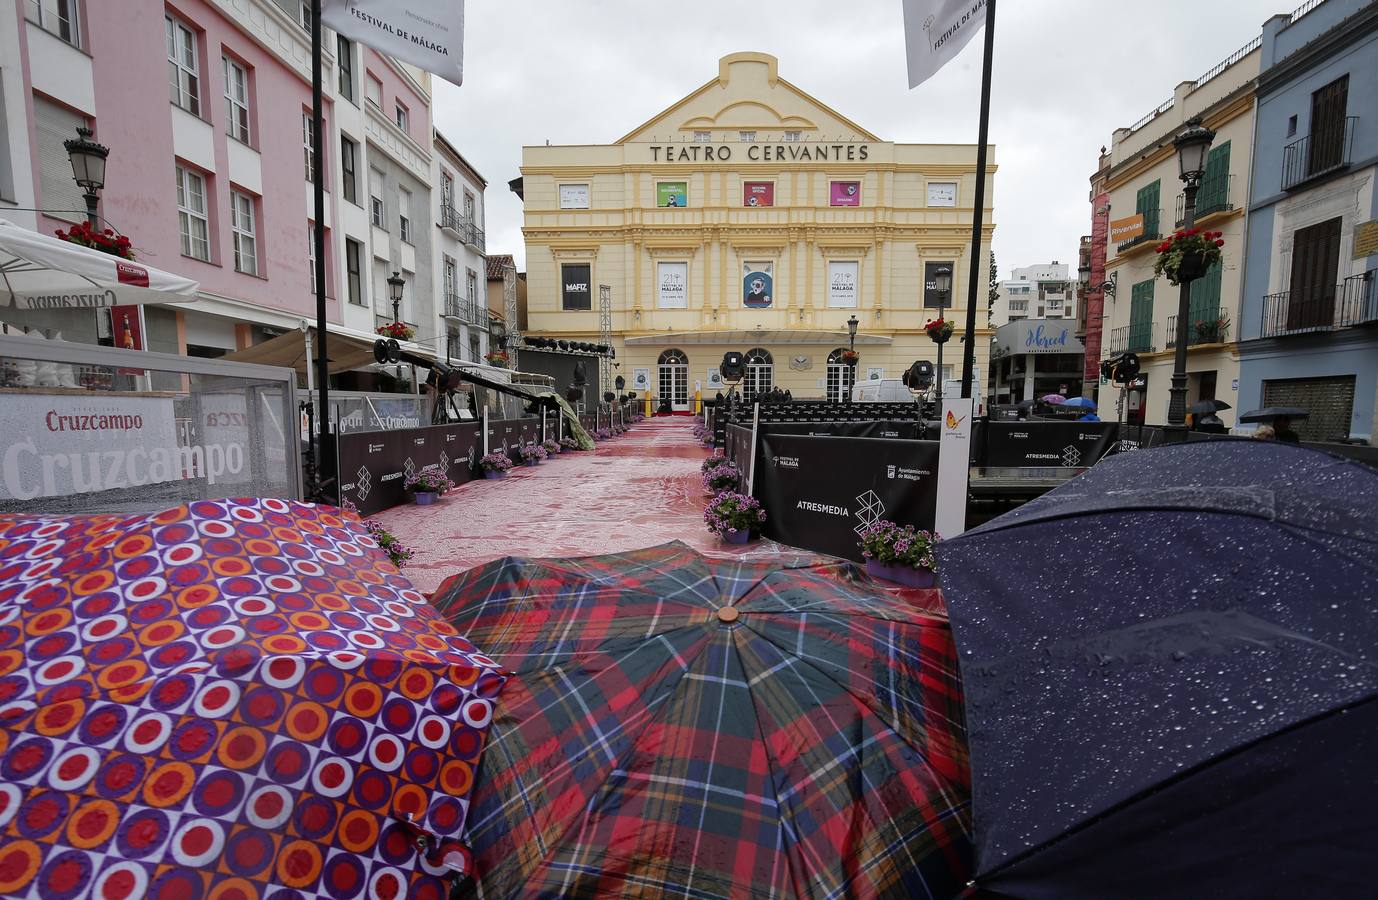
point(59, 195)
point(1141, 317)
point(1146, 202)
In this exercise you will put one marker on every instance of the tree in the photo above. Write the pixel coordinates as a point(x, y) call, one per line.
point(994, 291)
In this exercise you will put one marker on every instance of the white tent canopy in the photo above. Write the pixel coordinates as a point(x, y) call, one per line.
point(42, 272)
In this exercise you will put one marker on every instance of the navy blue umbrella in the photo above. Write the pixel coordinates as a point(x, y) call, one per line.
point(1190, 710)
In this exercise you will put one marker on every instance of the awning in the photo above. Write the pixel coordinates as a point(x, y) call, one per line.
point(348, 349)
point(42, 272)
point(742, 336)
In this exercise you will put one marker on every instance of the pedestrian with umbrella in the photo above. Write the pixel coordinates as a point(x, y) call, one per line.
point(1280, 419)
point(1204, 415)
point(685, 726)
point(236, 698)
point(1192, 712)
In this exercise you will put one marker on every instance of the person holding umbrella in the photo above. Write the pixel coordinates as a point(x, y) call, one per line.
point(1280, 418)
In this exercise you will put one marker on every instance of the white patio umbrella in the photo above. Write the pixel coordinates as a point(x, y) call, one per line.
point(42, 272)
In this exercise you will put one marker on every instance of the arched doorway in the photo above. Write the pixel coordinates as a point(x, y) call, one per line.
point(840, 376)
point(674, 378)
point(760, 373)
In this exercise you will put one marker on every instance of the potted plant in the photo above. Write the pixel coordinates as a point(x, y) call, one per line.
point(106, 241)
point(531, 453)
point(735, 518)
point(725, 477)
point(899, 553)
point(428, 484)
point(939, 330)
point(495, 464)
point(400, 331)
point(568, 443)
point(1188, 254)
point(602, 434)
point(497, 359)
point(713, 460)
point(850, 357)
point(1212, 331)
point(398, 553)
point(551, 446)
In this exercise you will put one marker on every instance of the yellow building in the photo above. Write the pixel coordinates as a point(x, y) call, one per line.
point(750, 216)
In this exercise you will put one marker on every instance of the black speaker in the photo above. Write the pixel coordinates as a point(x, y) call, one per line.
point(581, 377)
point(619, 382)
point(563, 345)
point(609, 396)
point(733, 368)
point(919, 376)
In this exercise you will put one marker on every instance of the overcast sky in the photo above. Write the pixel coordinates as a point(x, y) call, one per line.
point(1066, 74)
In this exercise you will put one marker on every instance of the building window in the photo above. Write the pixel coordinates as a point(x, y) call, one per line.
point(760, 373)
point(404, 214)
point(402, 116)
point(377, 214)
point(703, 137)
point(791, 136)
point(184, 71)
point(475, 350)
point(349, 162)
point(471, 291)
point(1141, 317)
point(304, 15)
point(354, 252)
point(447, 200)
point(469, 208)
point(1146, 203)
point(1327, 139)
point(191, 214)
point(57, 17)
point(375, 91)
point(1291, 126)
point(236, 98)
point(344, 56)
point(746, 136)
point(1315, 271)
point(242, 227)
point(308, 148)
point(840, 376)
point(58, 193)
point(450, 279)
point(311, 253)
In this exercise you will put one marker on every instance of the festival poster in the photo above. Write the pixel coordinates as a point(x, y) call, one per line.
point(674, 194)
point(844, 193)
point(758, 193)
point(758, 285)
point(673, 281)
point(842, 284)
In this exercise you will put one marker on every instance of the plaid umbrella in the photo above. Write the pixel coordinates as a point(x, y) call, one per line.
point(224, 698)
point(685, 726)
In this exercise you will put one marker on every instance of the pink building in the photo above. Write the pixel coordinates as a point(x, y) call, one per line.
point(205, 108)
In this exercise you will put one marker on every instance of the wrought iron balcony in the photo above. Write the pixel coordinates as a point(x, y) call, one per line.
point(449, 219)
point(457, 306)
point(1210, 327)
point(1137, 337)
point(1325, 150)
point(1215, 195)
point(1353, 301)
point(1151, 233)
point(1360, 299)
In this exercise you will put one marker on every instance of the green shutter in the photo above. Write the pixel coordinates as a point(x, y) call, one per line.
point(1147, 202)
point(1205, 309)
point(1141, 316)
point(1215, 183)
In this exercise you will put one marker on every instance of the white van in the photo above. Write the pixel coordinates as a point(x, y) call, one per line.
point(881, 390)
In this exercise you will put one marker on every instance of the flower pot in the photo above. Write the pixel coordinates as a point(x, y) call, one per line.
point(494, 474)
point(426, 498)
point(905, 575)
point(1193, 266)
point(733, 536)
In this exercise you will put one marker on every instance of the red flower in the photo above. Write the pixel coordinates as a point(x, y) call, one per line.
point(1219, 243)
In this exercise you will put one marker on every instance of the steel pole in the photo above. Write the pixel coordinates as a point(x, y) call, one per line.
point(969, 353)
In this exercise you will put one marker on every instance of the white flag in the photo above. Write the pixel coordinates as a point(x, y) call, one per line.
point(937, 30)
point(426, 33)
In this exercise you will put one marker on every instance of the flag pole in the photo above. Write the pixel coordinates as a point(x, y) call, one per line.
point(969, 351)
point(325, 446)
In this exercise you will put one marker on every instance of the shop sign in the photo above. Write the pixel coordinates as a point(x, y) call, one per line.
point(1127, 229)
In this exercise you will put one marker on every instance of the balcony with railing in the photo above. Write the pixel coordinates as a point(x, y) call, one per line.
point(1353, 301)
point(1216, 195)
point(1325, 150)
point(465, 229)
point(1208, 327)
point(1136, 337)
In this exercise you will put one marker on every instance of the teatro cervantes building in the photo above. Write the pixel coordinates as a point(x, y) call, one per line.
point(751, 216)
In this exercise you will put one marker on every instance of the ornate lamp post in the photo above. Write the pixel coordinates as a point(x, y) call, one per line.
point(88, 168)
point(942, 278)
point(1192, 146)
point(852, 324)
point(395, 286)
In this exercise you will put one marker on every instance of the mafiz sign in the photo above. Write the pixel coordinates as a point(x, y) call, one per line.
point(794, 151)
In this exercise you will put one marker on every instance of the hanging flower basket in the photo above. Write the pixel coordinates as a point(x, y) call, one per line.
point(497, 359)
point(1188, 254)
point(400, 331)
point(106, 241)
point(850, 357)
point(939, 330)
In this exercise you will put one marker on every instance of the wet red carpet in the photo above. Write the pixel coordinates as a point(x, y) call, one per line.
point(637, 490)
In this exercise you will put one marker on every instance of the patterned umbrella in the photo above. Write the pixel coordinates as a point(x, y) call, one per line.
point(685, 726)
point(224, 698)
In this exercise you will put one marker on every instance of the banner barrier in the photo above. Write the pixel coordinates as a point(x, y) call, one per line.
point(375, 465)
point(820, 492)
point(510, 434)
point(1043, 445)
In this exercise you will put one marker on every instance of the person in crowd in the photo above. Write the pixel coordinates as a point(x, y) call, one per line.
point(1282, 427)
point(1265, 433)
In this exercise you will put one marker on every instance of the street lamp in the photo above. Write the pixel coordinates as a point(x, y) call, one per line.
point(88, 168)
point(852, 323)
point(942, 283)
point(395, 285)
point(1192, 146)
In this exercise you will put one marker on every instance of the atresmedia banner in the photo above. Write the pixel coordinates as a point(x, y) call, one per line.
point(820, 492)
point(426, 33)
point(1057, 445)
point(374, 465)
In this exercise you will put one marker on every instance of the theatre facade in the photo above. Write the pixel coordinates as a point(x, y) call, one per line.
point(750, 216)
